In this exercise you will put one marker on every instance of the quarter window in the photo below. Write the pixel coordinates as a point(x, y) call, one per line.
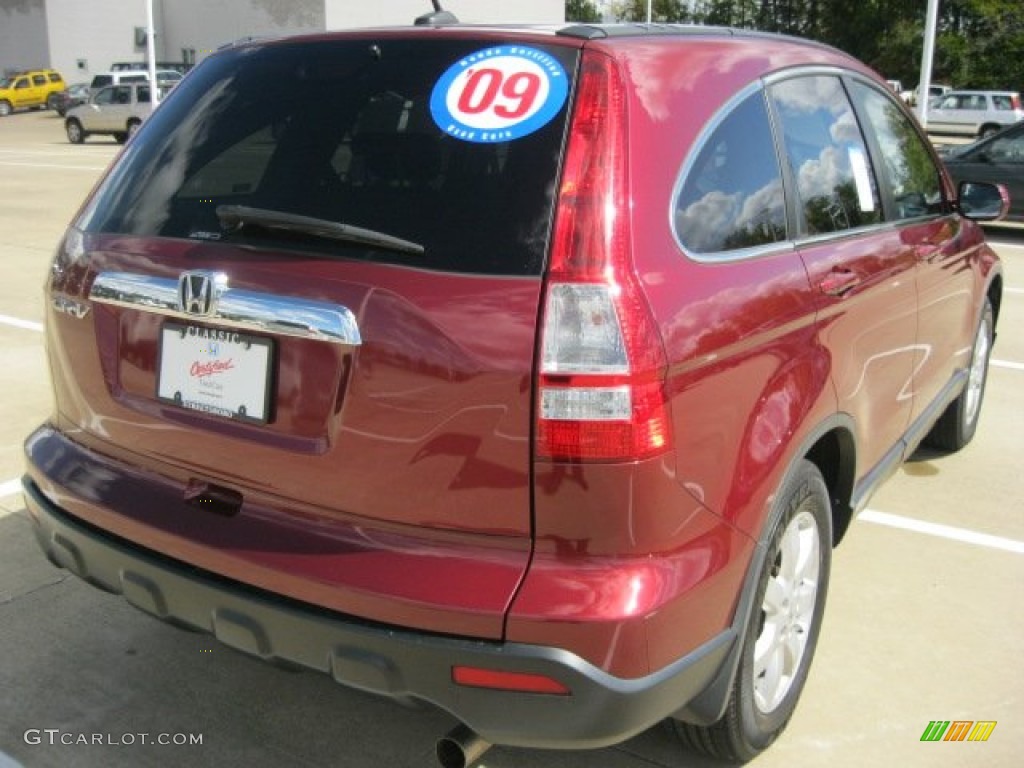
point(826, 154)
point(1002, 102)
point(908, 170)
point(732, 197)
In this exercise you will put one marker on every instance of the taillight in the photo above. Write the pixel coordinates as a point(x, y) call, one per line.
point(602, 366)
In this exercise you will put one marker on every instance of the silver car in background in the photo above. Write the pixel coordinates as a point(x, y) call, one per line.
point(975, 113)
point(117, 110)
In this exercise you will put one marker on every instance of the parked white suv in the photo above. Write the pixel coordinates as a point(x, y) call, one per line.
point(975, 113)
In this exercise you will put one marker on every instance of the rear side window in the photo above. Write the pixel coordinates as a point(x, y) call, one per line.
point(105, 96)
point(827, 155)
point(348, 132)
point(908, 171)
point(732, 196)
point(1002, 101)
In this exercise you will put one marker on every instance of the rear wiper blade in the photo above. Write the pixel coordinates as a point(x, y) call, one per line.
point(236, 217)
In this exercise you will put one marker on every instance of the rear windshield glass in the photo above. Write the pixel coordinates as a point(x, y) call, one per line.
point(346, 132)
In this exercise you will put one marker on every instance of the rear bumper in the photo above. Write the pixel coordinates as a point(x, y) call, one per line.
point(599, 710)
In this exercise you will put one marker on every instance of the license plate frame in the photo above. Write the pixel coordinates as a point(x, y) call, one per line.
point(215, 371)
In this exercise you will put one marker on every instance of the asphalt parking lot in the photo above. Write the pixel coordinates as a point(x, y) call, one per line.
point(924, 615)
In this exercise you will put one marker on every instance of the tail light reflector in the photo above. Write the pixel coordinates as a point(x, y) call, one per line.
point(526, 682)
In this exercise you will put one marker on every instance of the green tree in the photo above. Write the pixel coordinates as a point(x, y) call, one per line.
point(581, 10)
point(980, 43)
point(662, 11)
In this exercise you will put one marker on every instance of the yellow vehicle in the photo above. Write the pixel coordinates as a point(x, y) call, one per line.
point(35, 89)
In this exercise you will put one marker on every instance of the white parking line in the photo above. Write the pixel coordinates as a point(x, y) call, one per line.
point(65, 167)
point(10, 488)
point(1006, 364)
point(27, 325)
point(942, 531)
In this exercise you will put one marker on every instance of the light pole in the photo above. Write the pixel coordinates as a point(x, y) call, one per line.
point(154, 91)
point(924, 86)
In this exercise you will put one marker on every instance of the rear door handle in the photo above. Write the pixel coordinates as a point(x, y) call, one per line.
point(839, 281)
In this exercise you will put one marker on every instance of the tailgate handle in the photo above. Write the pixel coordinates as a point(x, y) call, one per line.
point(243, 310)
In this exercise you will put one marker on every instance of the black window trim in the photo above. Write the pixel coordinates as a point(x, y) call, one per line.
point(888, 222)
point(875, 150)
point(793, 207)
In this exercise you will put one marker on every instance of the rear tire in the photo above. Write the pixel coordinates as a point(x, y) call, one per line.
point(958, 423)
point(782, 632)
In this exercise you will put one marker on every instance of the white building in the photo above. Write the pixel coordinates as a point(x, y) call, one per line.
point(82, 37)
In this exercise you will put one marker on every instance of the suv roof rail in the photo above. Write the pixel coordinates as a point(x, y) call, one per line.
point(242, 41)
point(596, 31)
point(438, 17)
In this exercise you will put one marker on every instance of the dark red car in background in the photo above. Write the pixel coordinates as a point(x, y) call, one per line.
point(533, 373)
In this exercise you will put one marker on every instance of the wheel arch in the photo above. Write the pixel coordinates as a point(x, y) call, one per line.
point(834, 454)
point(832, 450)
point(995, 296)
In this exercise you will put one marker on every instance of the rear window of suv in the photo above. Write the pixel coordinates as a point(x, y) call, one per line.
point(345, 132)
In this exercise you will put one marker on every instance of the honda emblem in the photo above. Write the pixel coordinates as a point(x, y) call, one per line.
point(199, 291)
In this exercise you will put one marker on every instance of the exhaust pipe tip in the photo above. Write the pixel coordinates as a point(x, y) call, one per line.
point(460, 747)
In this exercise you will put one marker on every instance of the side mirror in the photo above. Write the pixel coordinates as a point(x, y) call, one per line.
point(982, 201)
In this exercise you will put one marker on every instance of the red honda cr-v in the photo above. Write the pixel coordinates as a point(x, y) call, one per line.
point(530, 372)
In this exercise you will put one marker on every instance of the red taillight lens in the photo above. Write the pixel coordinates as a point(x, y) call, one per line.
point(602, 363)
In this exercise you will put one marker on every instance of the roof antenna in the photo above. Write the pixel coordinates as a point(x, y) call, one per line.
point(438, 18)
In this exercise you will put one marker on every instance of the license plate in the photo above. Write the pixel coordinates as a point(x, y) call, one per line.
point(215, 371)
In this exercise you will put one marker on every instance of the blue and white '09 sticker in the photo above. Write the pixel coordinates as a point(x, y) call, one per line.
point(499, 94)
